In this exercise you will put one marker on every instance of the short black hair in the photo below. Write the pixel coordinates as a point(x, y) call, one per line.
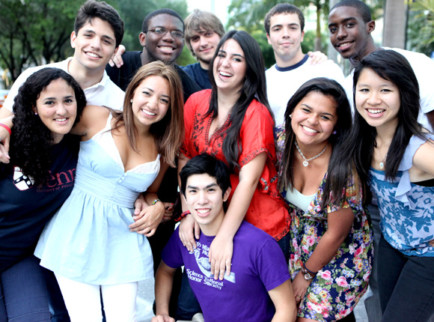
point(158, 12)
point(100, 9)
point(206, 164)
point(361, 7)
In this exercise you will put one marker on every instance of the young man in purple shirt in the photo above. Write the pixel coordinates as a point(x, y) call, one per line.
point(258, 287)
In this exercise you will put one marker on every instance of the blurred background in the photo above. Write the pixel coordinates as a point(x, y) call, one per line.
point(35, 32)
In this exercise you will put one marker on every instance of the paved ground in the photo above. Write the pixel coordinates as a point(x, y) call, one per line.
point(146, 298)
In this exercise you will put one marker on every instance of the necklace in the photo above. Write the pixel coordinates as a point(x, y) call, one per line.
point(306, 161)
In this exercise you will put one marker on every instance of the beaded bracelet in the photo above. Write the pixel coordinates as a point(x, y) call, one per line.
point(183, 215)
point(155, 201)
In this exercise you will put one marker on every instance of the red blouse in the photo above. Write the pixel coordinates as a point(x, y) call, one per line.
point(267, 209)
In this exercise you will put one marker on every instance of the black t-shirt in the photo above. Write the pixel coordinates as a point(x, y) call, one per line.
point(132, 62)
point(26, 208)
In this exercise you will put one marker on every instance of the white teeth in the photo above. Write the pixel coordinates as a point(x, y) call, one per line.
point(376, 111)
point(148, 113)
point(93, 55)
point(202, 211)
point(225, 74)
point(309, 129)
point(60, 120)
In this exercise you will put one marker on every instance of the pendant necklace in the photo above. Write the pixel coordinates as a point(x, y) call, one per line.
point(306, 161)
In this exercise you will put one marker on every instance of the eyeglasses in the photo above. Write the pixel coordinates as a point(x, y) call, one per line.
point(161, 31)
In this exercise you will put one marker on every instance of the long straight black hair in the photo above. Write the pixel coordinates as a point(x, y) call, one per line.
point(393, 67)
point(254, 87)
point(337, 176)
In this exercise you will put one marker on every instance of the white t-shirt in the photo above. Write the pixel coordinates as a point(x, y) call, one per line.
point(423, 68)
point(104, 93)
point(282, 83)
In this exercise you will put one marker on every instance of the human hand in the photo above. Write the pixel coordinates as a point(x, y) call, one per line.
point(220, 257)
point(299, 286)
point(162, 318)
point(116, 59)
point(4, 145)
point(317, 57)
point(148, 219)
point(189, 231)
point(168, 211)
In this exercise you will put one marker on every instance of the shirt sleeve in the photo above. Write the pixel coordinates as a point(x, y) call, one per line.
point(256, 133)
point(353, 196)
point(271, 264)
point(191, 107)
point(10, 99)
point(189, 114)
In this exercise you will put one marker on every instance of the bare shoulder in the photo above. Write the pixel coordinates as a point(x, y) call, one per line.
point(422, 160)
point(92, 120)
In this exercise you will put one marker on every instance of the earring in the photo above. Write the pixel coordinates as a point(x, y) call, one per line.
point(131, 101)
point(290, 116)
point(36, 113)
point(334, 132)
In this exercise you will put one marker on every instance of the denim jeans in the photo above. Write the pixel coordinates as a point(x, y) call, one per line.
point(406, 285)
point(28, 292)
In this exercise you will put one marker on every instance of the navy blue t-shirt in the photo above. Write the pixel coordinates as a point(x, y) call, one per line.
point(198, 74)
point(26, 208)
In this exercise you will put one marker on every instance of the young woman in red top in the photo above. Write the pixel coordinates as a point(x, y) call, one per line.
point(233, 122)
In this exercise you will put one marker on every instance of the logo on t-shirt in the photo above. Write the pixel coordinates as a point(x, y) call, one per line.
point(205, 267)
point(21, 181)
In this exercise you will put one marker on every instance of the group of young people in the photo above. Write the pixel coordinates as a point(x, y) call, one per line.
point(273, 219)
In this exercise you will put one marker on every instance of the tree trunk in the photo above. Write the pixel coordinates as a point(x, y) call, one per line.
point(394, 24)
point(318, 27)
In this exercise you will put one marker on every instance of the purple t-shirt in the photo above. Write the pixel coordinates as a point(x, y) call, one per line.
point(258, 266)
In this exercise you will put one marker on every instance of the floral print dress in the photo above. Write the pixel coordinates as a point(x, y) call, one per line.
point(338, 286)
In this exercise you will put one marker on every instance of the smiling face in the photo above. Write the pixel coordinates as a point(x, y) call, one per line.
point(164, 46)
point(313, 119)
point(285, 37)
point(204, 44)
point(94, 44)
point(377, 100)
point(56, 106)
point(151, 101)
point(230, 66)
point(205, 199)
point(349, 34)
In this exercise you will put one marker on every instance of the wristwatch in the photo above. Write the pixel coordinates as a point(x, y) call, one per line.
point(308, 275)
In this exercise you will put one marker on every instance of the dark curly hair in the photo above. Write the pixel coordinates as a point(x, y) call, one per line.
point(31, 139)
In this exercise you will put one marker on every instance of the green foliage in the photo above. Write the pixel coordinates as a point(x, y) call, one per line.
point(27, 37)
point(420, 32)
